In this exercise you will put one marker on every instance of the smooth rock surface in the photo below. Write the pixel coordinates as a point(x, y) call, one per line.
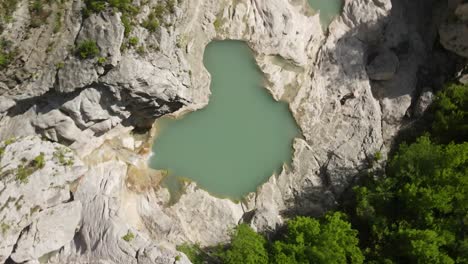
point(52, 229)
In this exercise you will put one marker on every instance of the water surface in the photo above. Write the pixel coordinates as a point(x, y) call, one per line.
point(329, 9)
point(236, 142)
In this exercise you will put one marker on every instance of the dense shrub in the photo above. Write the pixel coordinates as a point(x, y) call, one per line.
point(246, 247)
point(152, 22)
point(93, 6)
point(309, 240)
point(6, 55)
point(4, 60)
point(306, 240)
point(129, 10)
point(129, 236)
point(157, 15)
point(126, 7)
point(133, 41)
point(417, 213)
point(193, 252)
point(451, 114)
point(87, 49)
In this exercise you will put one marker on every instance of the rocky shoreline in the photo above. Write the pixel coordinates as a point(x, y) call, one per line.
point(350, 89)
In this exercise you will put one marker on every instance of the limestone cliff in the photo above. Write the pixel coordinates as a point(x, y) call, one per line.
point(74, 183)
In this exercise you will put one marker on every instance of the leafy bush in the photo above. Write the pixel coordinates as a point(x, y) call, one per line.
point(129, 236)
point(6, 56)
point(23, 173)
point(58, 21)
point(141, 50)
point(246, 247)
point(193, 252)
point(63, 157)
point(4, 60)
point(417, 213)
point(87, 49)
point(308, 240)
point(126, 7)
point(451, 114)
point(128, 25)
point(102, 60)
point(151, 23)
point(133, 41)
point(4, 227)
point(59, 65)
point(39, 161)
point(159, 11)
point(156, 16)
point(93, 6)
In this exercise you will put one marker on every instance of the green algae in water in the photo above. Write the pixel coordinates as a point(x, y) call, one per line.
point(329, 9)
point(238, 140)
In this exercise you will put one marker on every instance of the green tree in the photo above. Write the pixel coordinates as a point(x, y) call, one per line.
point(451, 114)
point(308, 240)
point(193, 252)
point(246, 247)
point(418, 212)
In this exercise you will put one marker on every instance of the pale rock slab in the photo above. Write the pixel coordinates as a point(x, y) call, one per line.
point(23, 200)
point(52, 229)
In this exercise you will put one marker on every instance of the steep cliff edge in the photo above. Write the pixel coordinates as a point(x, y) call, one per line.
point(84, 80)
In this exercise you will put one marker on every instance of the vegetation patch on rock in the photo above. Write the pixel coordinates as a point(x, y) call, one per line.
point(87, 49)
point(6, 53)
point(129, 236)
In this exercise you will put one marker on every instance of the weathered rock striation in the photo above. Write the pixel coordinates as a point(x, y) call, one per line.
point(37, 214)
point(74, 184)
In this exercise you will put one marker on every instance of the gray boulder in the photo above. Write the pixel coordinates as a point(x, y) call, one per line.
point(454, 37)
point(462, 12)
point(454, 32)
point(424, 101)
point(383, 66)
point(76, 74)
point(463, 79)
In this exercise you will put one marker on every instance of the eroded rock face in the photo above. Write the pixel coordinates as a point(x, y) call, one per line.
point(139, 89)
point(348, 103)
point(36, 213)
point(40, 217)
point(103, 229)
point(51, 230)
